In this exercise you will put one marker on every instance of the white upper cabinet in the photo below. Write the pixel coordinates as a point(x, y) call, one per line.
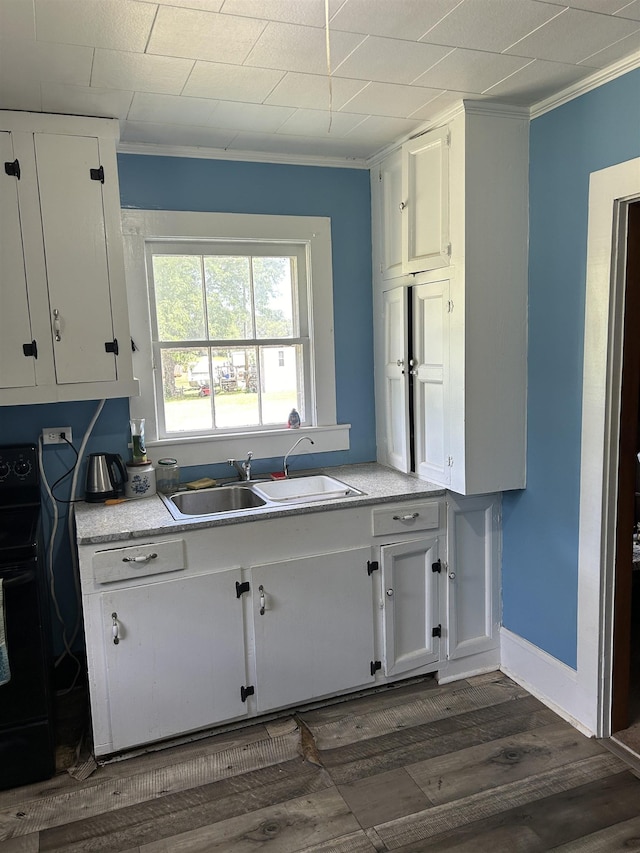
point(425, 202)
point(460, 398)
point(64, 321)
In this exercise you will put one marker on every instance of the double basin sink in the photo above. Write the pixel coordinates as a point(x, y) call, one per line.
point(250, 496)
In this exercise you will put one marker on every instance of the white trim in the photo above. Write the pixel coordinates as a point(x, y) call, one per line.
point(315, 232)
point(609, 191)
point(545, 677)
point(593, 81)
point(157, 150)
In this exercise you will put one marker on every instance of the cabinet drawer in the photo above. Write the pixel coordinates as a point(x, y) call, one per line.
point(135, 561)
point(406, 517)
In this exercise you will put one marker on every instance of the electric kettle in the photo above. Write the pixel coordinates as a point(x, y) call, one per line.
point(106, 476)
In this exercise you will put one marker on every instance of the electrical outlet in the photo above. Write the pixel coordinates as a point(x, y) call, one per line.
point(53, 435)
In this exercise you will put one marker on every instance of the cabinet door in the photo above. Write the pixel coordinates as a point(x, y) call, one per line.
point(410, 601)
point(16, 370)
point(473, 558)
point(170, 672)
point(315, 636)
point(76, 252)
point(430, 372)
point(396, 378)
point(391, 212)
point(425, 214)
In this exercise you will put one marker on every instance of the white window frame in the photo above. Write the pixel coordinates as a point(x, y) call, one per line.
point(142, 226)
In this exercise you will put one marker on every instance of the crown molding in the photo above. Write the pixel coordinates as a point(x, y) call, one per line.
point(156, 150)
point(588, 84)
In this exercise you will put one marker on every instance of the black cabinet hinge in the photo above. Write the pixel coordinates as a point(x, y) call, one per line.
point(30, 350)
point(242, 587)
point(13, 169)
point(246, 691)
point(372, 566)
point(437, 566)
point(375, 666)
point(437, 631)
point(97, 174)
point(112, 346)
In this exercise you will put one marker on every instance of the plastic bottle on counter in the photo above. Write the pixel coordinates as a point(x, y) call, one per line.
point(168, 475)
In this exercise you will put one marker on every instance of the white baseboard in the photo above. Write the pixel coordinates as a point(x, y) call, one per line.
point(454, 670)
point(548, 679)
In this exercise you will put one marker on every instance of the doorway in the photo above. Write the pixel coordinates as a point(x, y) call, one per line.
point(625, 704)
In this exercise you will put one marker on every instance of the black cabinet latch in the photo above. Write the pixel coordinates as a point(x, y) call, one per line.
point(246, 691)
point(111, 346)
point(372, 566)
point(437, 631)
point(97, 174)
point(437, 566)
point(13, 169)
point(30, 350)
point(375, 666)
point(242, 587)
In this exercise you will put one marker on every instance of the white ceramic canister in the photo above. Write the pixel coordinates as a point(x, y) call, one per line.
point(141, 480)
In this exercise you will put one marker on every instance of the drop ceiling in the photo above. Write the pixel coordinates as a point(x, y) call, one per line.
point(269, 77)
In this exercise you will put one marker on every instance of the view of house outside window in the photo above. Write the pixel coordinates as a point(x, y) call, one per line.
point(230, 336)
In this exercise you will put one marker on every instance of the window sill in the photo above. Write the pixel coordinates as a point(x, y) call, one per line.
point(264, 445)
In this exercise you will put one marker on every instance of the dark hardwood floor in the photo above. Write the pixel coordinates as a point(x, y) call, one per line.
point(478, 765)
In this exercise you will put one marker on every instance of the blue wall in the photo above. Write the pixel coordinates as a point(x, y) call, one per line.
point(540, 558)
point(221, 186)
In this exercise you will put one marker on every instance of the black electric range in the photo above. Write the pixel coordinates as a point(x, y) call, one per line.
point(27, 743)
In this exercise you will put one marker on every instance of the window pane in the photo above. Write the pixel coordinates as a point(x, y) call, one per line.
point(273, 294)
point(186, 390)
point(228, 286)
point(179, 297)
point(235, 380)
point(281, 384)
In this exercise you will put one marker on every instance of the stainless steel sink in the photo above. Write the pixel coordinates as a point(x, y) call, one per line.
point(212, 501)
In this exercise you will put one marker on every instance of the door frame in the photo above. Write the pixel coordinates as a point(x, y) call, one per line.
point(611, 191)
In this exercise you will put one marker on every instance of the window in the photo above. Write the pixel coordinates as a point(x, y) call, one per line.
point(224, 318)
point(232, 321)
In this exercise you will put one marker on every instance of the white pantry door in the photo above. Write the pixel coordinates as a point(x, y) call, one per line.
point(396, 378)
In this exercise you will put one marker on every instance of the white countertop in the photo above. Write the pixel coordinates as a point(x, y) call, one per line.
point(97, 523)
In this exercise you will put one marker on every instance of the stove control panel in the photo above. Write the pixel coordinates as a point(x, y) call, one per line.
point(19, 477)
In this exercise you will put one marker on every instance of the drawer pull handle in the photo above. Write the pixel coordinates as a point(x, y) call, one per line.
point(115, 629)
point(263, 600)
point(143, 558)
point(409, 517)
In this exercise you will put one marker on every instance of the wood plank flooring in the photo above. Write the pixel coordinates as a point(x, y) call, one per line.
point(477, 765)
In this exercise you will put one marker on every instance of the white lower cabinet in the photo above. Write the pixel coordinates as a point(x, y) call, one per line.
point(313, 627)
point(179, 661)
point(188, 632)
point(411, 607)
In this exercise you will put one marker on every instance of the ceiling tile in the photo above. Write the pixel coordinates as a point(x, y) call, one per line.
point(536, 81)
point(17, 19)
point(82, 100)
point(320, 123)
point(36, 61)
point(383, 130)
point(311, 13)
point(231, 82)
point(117, 69)
point(406, 19)
point(19, 94)
point(390, 60)
point(201, 5)
point(573, 35)
point(441, 103)
point(390, 99)
point(491, 25)
point(281, 144)
point(290, 47)
point(631, 10)
point(172, 109)
point(115, 24)
point(257, 117)
point(168, 134)
point(613, 53)
point(605, 7)
point(312, 91)
point(203, 35)
point(470, 70)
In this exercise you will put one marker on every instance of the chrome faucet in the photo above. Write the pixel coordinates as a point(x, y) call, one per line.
point(285, 466)
point(244, 470)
